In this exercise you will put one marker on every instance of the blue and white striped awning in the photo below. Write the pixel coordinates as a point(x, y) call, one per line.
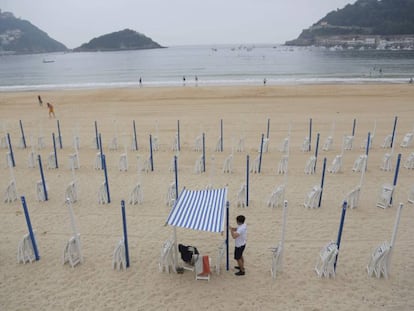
point(199, 210)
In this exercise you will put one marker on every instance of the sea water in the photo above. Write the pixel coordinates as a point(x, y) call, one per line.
point(204, 66)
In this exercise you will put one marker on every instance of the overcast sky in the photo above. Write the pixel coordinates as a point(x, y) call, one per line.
point(174, 22)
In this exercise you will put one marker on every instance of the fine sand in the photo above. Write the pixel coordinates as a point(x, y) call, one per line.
point(93, 285)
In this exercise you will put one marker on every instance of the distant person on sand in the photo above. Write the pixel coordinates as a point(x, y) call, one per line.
point(40, 100)
point(239, 234)
point(196, 80)
point(264, 81)
point(140, 81)
point(51, 110)
point(411, 80)
point(183, 80)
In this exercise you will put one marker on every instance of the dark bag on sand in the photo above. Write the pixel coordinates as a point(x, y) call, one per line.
point(187, 252)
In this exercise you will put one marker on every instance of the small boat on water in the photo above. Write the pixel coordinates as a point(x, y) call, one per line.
point(48, 61)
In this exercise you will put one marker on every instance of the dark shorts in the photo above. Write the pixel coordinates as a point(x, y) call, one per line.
point(238, 252)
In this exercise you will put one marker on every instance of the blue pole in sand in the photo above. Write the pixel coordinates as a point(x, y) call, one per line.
point(247, 180)
point(310, 134)
point(54, 150)
point(23, 138)
point(322, 181)
point(151, 158)
point(204, 152)
point(341, 226)
point(367, 150)
point(397, 169)
point(316, 150)
point(96, 135)
point(268, 128)
point(42, 176)
point(135, 135)
point(125, 233)
point(227, 235)
point(101, 150)
point(261, 152)
point(29, 227)
point(178, 134)
point(353, 128)
point(176, 177)
point(59, 136)
point(393, 131)
point(11, 150)
point(106, 178)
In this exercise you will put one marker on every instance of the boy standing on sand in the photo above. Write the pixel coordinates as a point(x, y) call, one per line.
point(239, 235)
point(51, 110)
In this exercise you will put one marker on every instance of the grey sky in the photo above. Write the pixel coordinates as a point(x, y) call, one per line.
point(174, 22)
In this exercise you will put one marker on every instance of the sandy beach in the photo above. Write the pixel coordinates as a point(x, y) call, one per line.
point(47, 284)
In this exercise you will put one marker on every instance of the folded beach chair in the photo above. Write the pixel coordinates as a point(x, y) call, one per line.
point(284, 147)
point(384, 199)
point(10, 194)
point(312, 198)
point(348, 142)
point(51, 161)
point(255, 167)
point(9, 161)
point(98, 161)
point(73, 161)
point(76, 142)
point(364, 143)
point(276, 260)
point(325, 266)
point(387, 142)
point(352, 198)
point(72, 251)
point(102, 194)
point(40, 193)
point(310, 165)
point(31, 162)
point(407, 140)
point(41, 142)
point(240, 144)
point(21, 143)
point(118, 257)
point(146, 165)
point(123, 162)
point(198, 144)
point(228, 164)
point(174, 146)
point(166, 261)
point(202, 267)
point(3, 142)
point(265, 145)
point(387, 162)
point(155, 143)
point(277, 197)
point(305, 145)
point(241, 196)
point(198, 168)
point(220, 255)
point(25, 250)
point(328, 144)
point(71, 192)
point(114, 144)
point(218, 145)
point(411, 195)
point(409, 162)
point(283, 165)
point(336, 165)
point(171, 195)
point(359, 163)
point(378, 263)
point(136, 196)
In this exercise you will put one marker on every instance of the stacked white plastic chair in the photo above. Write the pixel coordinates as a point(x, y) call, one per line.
point(11, 192)
point(276, 255)
point(411, 195)
point(98, 161)
point(114, 143)
point(277, 251)
point(74, 161)
point(313, 197)
point(198, 168)
point(277, 197)
point(71, 192)
point(284, 147)
point(174, 146)
point(136, 196)
point(241, 196)
point(118, 257)
point(123, 162)
point(171, 195)
point(328, 144)
point(72, 252)
point(228, 164)
point(360, 163)
point(41, 142)
point(166, 261)
point(283, 165)
point(198, 144)
point(51, 161)
point(384, 199)
point(310, 165)
point(240, 144)
point(387, 162)
point(255, 167)
point(378, 263)
point(348, 142)
point(9, 161)
point(336, 165)
point(40, 193)
point(265, 145)
point(31, 161)
point(409, 162)
point(305, 145)
point(325, 266)
point(387, 141)
point(102, 194)
point(407, 140)
point(221, 252)
point(25, 250)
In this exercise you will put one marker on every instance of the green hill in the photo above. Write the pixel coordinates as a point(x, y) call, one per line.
point(20, 36)
point(126, 39)
point(375, 18)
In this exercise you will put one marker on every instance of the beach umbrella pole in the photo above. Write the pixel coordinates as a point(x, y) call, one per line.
point(54, 150)
point(11, 150)
point(310, 134)
point(393, 131)
point(367, 149)
point(96, 135)
point(135, 135)
point(353, 128)
point(322, 181)
point(125, 232)
point(178, 135)
point(282, 240)
point(151, 155)
point(176, 177)
point(316, 150)
point(204, 152)
point(42, 176)
point(22, 131)
point(341, 226)
point(29, 227)
point(106, 179)
point(397, 168)
point(268, 128)
point(261, 153)
point(101, 149)
point(59, 135)
point(227, 235)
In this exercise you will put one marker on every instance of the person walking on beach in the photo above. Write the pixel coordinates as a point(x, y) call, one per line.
point(239, 234)
point(184, 80)
point(140, 81)
point(40, 100)
point(51, 110)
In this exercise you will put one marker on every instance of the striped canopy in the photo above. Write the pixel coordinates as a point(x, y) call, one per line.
point(199, 210)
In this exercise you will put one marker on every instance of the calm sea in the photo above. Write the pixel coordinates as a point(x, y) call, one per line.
point(213, 65)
